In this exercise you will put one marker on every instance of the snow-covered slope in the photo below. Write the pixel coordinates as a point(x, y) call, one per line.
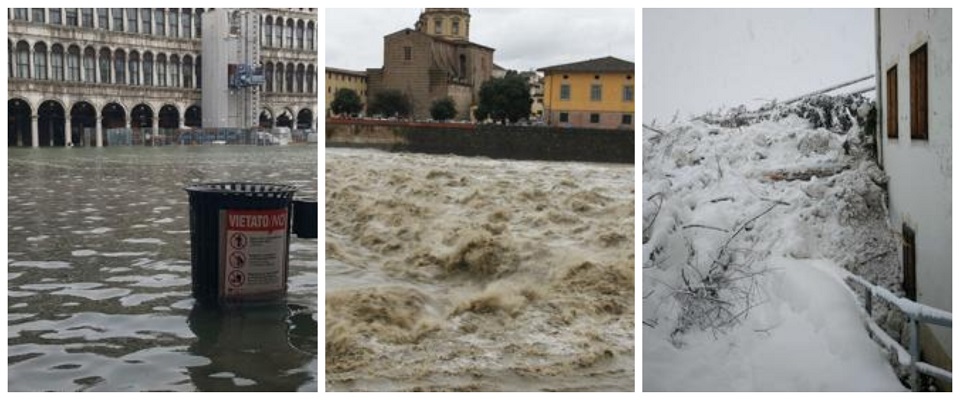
point(743, 230)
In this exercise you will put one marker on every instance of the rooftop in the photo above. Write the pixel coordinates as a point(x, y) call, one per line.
point(605, 64)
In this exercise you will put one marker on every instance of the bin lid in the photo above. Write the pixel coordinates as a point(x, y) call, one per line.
point(253, 189)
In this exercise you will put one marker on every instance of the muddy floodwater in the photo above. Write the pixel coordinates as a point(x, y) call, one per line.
point(456, 273)
point(99, 275)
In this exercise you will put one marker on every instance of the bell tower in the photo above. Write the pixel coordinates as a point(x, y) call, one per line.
point(447, 23)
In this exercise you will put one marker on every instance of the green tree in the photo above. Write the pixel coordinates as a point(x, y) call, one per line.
point(390, 103)
point(443, 109)
point(346, 101)
point(504, 99)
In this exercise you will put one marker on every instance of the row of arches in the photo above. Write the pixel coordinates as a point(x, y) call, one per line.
point(131, 67)
point(60, 62)
point(81, 123)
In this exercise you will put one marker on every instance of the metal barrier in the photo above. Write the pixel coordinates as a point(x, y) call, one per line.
point(917, 313)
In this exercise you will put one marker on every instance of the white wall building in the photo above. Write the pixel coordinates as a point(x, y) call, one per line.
point(914, 62)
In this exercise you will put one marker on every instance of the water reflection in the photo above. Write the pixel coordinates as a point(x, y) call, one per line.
point(99, 275)
point(266, 346)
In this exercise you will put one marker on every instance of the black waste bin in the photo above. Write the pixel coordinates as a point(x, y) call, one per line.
point(305, 218)
point(239, 241)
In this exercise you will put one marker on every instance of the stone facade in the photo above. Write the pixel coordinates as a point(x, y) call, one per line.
point(75, 73)
point(345, 79)
point(428, 67)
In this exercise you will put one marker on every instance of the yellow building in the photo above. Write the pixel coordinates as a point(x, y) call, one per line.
point(595, 93)
point(341, 78)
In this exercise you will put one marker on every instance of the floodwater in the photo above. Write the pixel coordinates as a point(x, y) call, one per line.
point(99, 275)
point(455, 273)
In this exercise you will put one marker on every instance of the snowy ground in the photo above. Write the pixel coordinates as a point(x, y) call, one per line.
point(745, 231)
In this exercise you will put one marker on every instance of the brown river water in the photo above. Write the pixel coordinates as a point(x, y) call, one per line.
point(455, 273)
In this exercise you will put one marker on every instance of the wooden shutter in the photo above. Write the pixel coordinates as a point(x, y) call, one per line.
point(892, 102)
point(918, 94)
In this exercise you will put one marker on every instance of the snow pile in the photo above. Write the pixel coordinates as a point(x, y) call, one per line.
point(744, 227)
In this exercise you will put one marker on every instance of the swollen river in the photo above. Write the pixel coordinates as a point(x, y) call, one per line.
point(99, 275)
point(454, 273)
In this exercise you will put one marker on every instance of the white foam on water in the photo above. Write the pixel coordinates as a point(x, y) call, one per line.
point(38, 238)
point(42, 264)
point(83, 253)
point(144, 241)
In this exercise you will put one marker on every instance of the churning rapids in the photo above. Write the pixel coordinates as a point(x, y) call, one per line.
point(454, 273)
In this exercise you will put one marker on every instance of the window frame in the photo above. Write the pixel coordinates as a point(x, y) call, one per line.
point(565, 91)
point(596, 92)
point(919, 94)
point(594, 118)
point(892, 102)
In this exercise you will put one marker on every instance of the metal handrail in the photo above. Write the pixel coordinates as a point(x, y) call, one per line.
point(917, 313)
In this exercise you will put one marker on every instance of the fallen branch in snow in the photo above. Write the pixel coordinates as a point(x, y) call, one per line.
point(646, 229)
point(705, 227)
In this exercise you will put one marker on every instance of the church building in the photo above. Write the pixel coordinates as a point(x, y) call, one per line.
point(432, 61)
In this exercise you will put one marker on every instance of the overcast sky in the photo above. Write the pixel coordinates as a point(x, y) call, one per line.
point(696, 60)
point(523, 38)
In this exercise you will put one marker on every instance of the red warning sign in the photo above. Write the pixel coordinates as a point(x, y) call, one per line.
point(253, 252)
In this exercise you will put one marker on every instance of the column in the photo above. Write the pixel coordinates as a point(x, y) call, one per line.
point(68, 138)
point(34, 132)
point(156, 129)
point(99, 131)
point(183, 122)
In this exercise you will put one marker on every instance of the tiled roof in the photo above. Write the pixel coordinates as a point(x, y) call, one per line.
point(605, 64)
point(346, 71)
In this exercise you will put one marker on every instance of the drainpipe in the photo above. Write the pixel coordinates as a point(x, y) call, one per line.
point(879, 120)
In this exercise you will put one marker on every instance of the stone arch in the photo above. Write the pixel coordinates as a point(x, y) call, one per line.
point(193, 116)
point(169, 116)
point(305, 119)
point(299, 35)
point(288, 33)
point(288, 82)
point(19, 112)
point(22, 54)
point(162, 72)
point(278, 79)
point(187, 71)
point(173, 65)
point(311, 36)
point(311, 79)
point(266, 118)
point(285, 118)
point(120, 66)
point(278, 32)
point(51, 123)
point(141, 118)
point(83, 120)
point(133, 68)
point(113, 114)
point(148, 69)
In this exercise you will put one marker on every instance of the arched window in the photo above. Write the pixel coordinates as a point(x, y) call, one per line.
point(289, 33)
point(455, 26)
point(268, 74)
point(300, 35)
point(199, 69)
point(187, 71)
point(278, 32)
point(147, 69)
point(90, 65)
point(175, 72)
point(73, 64)
point(279, 78)
point(105, 66)
point(134, 68)
point(39, 61)
point(103, 18)
point(120, 67)
point(161, 70)
point(289, 88)
point(268, 32)
point(300, 78)
point(310, 35)
point(56, 61)
point(311, 77)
